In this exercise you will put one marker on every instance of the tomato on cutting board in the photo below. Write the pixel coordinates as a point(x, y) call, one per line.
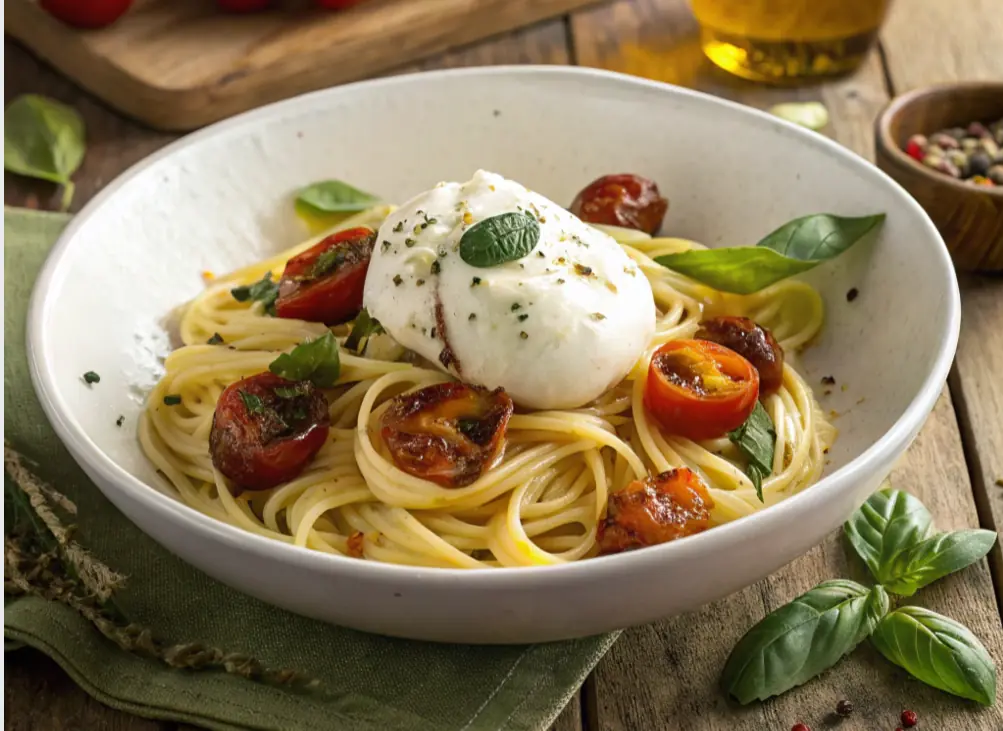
point(86, 13)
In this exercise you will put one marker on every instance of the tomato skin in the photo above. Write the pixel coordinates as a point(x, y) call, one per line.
point(258, 451)
point(334, 296)
point(753, 342)
point(448, 433)
point(625, 200)
point(88, 14)
point(657, 509)
point(684, 403)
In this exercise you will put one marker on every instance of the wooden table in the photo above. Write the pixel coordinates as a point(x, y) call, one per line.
point(664, 676)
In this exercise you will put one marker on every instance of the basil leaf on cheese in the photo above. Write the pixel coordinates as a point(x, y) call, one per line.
point(499, 239)
point(795, 247)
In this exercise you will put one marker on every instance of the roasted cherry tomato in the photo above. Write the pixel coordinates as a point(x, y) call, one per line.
point(86, 13)
point(657, 509)
point(699, 389)
point(325, 282)
point(266, 429)
point(751, 341)
point(449, 433)
point(624, 200)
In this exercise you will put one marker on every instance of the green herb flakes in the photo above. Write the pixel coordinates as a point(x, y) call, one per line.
point(264, 291)
point(172, 399)
point(91, 377)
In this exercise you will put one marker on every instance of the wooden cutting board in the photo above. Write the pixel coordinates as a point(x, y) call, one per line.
point(180, 64)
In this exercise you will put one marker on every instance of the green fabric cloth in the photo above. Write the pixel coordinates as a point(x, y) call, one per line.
point(367, 682)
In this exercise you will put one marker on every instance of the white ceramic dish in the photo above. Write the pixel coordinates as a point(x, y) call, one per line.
point(220, 198)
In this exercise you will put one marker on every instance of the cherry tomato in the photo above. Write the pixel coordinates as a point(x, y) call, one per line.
point(699, 389)
point(242, 6)
point(623, 200)
point(325, 282)
point(266, 429)
point(86, 13)
point(449, 433)
point(751, 341)
point(336, 4)
point(657, 509)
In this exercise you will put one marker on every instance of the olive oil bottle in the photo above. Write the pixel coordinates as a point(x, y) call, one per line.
point(788, 40)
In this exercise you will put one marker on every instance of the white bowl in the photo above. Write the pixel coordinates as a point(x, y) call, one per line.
point(220, 198)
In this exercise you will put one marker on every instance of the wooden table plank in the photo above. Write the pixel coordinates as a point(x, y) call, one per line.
point(39, 696)
point(961, 41)
point(665, 675)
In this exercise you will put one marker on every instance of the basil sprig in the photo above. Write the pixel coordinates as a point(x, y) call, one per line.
point(893, 533)
point(317, 361)
point(756, 439)
point(334, 196)
point(364, 327)
point(799, 640)
point(43, 139)
point(938, 651)
point(795, 247)
point(499, 239)
point(265, 291)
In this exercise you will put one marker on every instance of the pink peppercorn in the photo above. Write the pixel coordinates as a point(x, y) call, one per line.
point(909, 719)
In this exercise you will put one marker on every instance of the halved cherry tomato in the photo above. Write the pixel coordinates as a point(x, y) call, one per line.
point(86, 13)
point(623, 200)
point(657, 509)
point(266, 429)
point(325, 282)
point(699, 389)
point(449, 433)
point(751, 341)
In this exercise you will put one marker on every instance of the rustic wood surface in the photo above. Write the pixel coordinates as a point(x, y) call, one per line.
point(665, 675)
point(179, 65)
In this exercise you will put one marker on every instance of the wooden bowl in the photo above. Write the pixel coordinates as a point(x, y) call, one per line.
point(969, 217)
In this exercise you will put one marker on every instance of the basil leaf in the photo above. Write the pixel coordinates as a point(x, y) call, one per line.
point(252, 403)
point(499, 239)
point(799, 640)
point(938, 651)
point(317, 361)
point(363, 328)
point(333, 196)
point(938, 556)
point(889, 522)
point(756, 439)
point(795, 247)
point(264, 290)
point(43, 139)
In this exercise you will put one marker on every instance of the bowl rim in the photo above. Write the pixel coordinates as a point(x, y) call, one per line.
point(733, 534)
point(886, 142)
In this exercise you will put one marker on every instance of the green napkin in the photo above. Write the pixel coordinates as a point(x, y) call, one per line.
point(365, 682)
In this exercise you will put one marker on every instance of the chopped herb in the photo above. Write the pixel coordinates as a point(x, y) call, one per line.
point(540, 254)
point(583, 271)
point(472, 316)
point(288, 392)
point(598, 316)
point(328, 262)
point(561, 260)
point(436, 267)
point(852, 294)
point(172, 399)
point(398, 280)
point(420, 212)
point(828, 381)
point(252, 403)
point(432, 334)
point(523, 317)
point(91, 377)
point(419, 282)
point(216, 339)
point(385, 246)
point(524, 335)
point(264, 291)
point(441, 251)
point(516, 306)
point(409, 242)
point(560, 281)
point(316, 361)
point(120, 420)
point(399, 227)
point(475, 281)
point(628, 270)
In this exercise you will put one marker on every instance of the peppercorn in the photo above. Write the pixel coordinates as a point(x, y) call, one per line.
point(979, 163)
point(916, 147)
point(844, 708)
point(909, 718)
point(800, 727)
point(977, 129)
point(944, 141)
point(995, 174)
